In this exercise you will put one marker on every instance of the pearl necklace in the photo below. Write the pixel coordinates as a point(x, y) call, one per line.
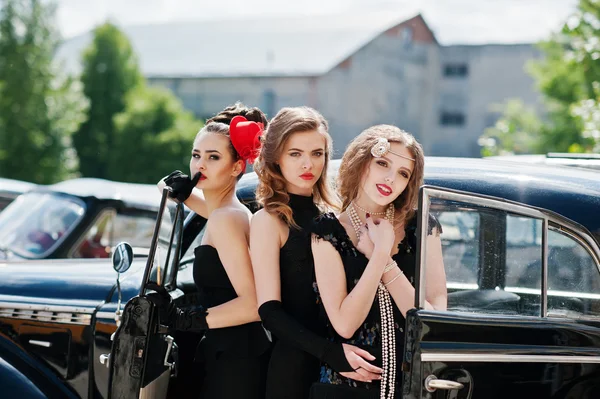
point(365, 211)
point(388, 334)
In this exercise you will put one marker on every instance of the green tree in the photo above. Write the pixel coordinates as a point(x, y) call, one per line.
point(110, 71)
point(39, 108)
point(153, 136)
point(567, 76)
point(517, 132)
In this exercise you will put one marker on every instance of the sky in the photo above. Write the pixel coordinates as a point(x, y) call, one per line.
point(453, 21)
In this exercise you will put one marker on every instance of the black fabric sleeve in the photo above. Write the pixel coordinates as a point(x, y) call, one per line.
point(287, 329)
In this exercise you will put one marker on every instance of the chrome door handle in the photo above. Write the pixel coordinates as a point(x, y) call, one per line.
point(432, 383)
point(169, 340)
point(105, 360)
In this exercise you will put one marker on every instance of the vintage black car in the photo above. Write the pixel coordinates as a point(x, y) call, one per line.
point(522, 261)
point(11, 189)
point(78, 218)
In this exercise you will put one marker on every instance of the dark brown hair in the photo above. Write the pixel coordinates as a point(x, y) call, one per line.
point(271, 191)
point(356, 160)
point(219, 124)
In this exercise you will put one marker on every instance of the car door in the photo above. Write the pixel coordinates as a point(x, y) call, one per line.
point(141, 364)
point(523, 314)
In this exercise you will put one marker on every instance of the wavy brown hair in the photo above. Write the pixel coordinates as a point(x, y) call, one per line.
point(271, 191)
point(356, 160)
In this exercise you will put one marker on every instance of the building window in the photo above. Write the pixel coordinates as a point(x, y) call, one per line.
point(452, 119)
point(269, 99)
point(407, 37)
point(456, 70)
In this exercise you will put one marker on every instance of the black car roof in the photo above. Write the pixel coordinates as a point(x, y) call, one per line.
point(572, 192)
point(134, 195)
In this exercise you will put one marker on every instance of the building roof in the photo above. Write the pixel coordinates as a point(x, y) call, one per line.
point(254, 46)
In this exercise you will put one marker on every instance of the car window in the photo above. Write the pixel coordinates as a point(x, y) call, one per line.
point(573, 278)
point(484, 249)
point(36, 223)
point(111, 228)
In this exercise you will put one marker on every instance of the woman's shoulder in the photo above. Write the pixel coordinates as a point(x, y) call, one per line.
point(328, 227)
point(229, 217)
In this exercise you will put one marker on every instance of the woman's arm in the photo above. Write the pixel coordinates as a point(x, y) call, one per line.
point(228, 236)
point(265, 244)
point(402, 290)
point(346, 311)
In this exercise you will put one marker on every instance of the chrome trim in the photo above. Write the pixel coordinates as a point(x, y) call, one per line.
point(54, 314)
point(545, 254)
point(45, 344)
point(502, 358)
point(565, 294)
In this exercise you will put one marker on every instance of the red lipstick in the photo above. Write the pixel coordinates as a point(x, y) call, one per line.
point(384, 189)
point(307, 176)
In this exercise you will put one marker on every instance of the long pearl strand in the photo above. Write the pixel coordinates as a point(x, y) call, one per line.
point(388, 333)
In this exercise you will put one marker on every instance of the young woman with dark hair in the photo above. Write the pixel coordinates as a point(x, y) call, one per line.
point(235, 347)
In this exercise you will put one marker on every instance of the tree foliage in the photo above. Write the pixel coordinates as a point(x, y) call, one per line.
point(569, 78)
point(110, 71)
point(153, 136)
point(39, 107)
point(517, 132)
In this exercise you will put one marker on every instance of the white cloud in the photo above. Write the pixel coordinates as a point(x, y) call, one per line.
point(453, 21)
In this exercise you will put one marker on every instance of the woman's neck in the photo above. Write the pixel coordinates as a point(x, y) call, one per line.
point(364, 204)
point(216, 199)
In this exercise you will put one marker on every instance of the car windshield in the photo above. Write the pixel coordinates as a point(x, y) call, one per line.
point(35, 223)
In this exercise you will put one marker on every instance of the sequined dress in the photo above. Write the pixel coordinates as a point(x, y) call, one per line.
point(368, 335)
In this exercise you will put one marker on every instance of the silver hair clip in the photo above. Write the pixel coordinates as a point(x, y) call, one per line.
point(382, 147)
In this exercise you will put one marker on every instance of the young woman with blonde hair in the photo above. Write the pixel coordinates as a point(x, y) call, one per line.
point(365, 257)
point(293, 189)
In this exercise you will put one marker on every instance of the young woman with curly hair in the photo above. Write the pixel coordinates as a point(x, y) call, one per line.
point(365, 258)
point(293, 189)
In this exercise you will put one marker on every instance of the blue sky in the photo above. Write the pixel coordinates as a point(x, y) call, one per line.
point(453, 21)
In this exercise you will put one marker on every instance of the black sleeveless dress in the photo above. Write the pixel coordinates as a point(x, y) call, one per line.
point(291, 370)
point(368, 335)
point(235, 358)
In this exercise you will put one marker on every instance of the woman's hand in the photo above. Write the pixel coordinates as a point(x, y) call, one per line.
point(381, 232)
point(364, 244)
point(363, 370)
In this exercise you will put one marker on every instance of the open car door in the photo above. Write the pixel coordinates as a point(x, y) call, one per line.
point(523, 314)
point(142, 351)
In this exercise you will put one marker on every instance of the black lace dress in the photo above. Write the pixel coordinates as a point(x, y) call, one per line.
point(235, 358)
point(368, 336)
point(292, 370)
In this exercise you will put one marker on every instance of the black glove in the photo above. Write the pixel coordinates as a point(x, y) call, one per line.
point(189, 320)
point(287, 329)
point(163, 301)
point(181, 184)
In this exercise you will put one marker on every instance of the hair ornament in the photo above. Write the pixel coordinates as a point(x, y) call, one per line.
point(245, 137)
point(382, 147)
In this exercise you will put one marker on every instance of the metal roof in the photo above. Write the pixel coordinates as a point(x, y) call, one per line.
point(138, 195)
point(253, 46)
point(14, 187)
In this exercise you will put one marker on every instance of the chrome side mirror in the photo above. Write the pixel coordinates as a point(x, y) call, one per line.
point(122, 258)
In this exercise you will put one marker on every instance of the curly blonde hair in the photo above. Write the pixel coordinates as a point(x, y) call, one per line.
point(271, 191)
point(356, 160)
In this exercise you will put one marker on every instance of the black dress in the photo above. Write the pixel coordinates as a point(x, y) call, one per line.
point(292, 370)
point(368, 335)
point(235, 358)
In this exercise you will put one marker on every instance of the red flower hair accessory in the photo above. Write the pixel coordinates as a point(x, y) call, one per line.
point(245, 137)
